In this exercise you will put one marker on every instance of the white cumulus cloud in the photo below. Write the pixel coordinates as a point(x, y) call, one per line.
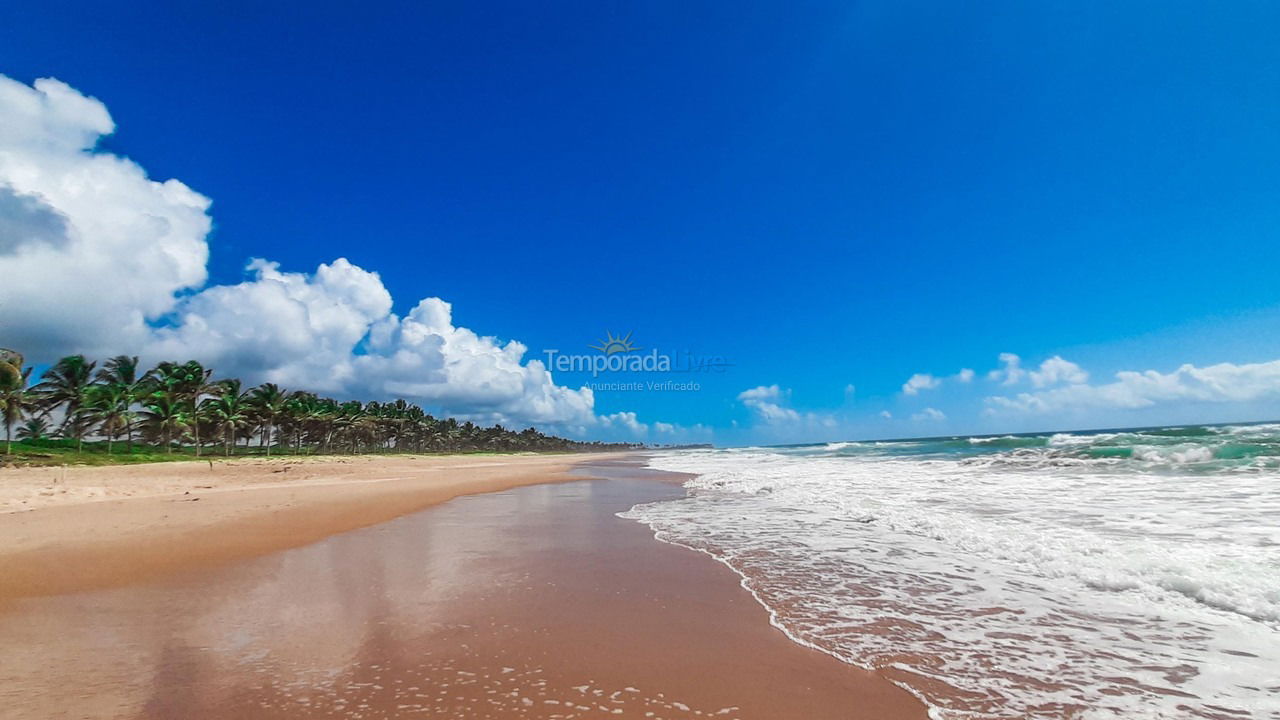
point(920, 381)
point(1010, 372)
point(91, 248)
point(1221, 383)
point(1055, 370)
point(98, 258)
point(929, 414)
point(767, 402)
point(625, 420)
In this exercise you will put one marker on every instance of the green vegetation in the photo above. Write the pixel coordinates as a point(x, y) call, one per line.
point(82, 413)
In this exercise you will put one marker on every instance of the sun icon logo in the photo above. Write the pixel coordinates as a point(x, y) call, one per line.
point(612, 345)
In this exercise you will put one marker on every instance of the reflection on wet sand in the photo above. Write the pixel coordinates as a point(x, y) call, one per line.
point(535, 602)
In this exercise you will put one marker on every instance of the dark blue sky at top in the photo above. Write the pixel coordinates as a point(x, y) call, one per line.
point(826, 193)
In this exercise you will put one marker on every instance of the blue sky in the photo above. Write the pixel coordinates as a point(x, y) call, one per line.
point(826, 194)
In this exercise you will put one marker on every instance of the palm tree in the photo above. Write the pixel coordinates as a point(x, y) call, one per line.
point(77, 426)
point(108, 405)
point(179, 402)
point(65, 384)
point(34, 429)
point(10, 366)
point(164, 415)
point(188, 382)
point(326, 420)
point(450, 434)
point(229, 411)
point(15, 399)
point(121, 371)
point(269, 401)
point(307, 415)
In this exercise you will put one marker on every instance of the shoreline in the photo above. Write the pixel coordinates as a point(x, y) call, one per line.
point(74, 529)
point(531, 601)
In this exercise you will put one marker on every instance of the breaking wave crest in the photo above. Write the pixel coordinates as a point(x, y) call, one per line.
point(1131, 574)
point(1223, 449)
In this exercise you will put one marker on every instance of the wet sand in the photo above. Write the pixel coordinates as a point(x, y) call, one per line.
point(73, 529)
point(531, 602)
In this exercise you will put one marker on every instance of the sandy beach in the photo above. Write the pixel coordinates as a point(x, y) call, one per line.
point(336, 589)
point(79, 528)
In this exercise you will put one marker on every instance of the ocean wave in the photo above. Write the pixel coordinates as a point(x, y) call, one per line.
point(1184, 449)
point(1177, 455)
point(992, 439)
point(1180, 432)
point(1070, 440)
point(1041, 585)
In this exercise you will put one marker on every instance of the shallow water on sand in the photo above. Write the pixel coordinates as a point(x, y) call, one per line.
point(535, 603)
point(1125, 574)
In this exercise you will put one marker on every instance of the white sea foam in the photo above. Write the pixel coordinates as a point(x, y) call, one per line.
point(1176, 455)
point(1042, 591)
point(991, 439)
